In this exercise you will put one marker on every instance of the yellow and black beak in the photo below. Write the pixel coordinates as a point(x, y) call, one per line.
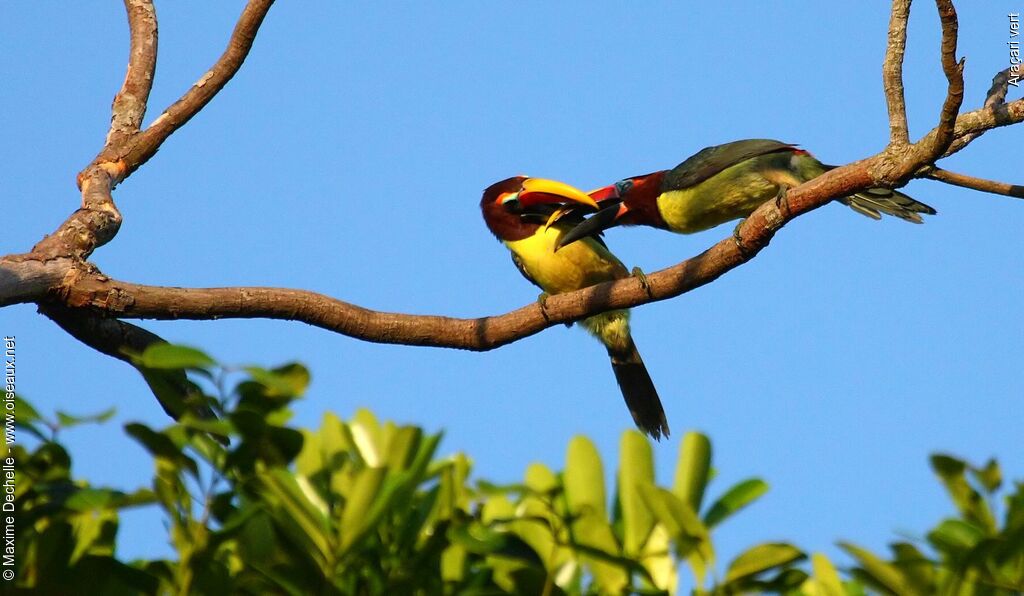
point(536, 191)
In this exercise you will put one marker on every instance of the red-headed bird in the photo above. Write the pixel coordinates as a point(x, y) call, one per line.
point(723, 183)
point(528, 216)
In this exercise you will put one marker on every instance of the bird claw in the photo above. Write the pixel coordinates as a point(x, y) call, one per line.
point(542, 300)
point(737, 238)
point(780, 200)
point(642, 278)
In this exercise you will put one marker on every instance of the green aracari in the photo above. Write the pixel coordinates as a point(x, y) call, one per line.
point(723, 183)
point(529, 216)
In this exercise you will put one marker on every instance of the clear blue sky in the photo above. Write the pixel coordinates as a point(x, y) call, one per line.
point(348, 157)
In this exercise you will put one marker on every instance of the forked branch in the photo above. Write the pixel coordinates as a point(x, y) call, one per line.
point(87, 303)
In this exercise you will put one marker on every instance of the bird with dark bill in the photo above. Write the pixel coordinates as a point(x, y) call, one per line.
point(530, 216)
point(723, 183)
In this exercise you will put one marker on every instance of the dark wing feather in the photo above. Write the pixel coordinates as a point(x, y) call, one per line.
point(522, 268)
point(711, 160)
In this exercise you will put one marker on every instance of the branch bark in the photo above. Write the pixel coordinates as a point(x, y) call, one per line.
point(144, 146)
point(892, 74)
point(965, 181)
point(130, 103)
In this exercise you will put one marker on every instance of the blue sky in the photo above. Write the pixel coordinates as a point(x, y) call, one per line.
point(348, 156)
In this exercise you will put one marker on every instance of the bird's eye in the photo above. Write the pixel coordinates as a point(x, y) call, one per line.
point(510, 200)
point(623, 186)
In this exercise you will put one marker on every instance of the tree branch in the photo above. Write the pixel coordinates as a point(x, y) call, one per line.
point(144, 146)
point(98, 220)
point(108, 336)
point(118, 339)
point(126, 300)
point(998, 188)
point(130, 102)
point(954, 72)
point(996, 96)
point(55, 273)
point(892, 73)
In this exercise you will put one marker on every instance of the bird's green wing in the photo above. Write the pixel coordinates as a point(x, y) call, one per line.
point(711, 160)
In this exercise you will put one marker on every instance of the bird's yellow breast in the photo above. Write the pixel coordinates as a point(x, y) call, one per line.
point(578, 265)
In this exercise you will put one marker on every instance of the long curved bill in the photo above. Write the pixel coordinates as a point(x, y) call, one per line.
point(543, 190)
point(593, 225)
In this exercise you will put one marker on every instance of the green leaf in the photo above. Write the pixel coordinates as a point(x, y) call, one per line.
point(917, 569)
point(636, 466)
point(88, 499)
point(366, 434)
point(67, 420)
point(593, 537)
point(736, 498)
point(24, 410)
point(881, 573)
point(690, 535)
point(585, 496)
point(693, 469)
point(972, 506)
point(402, 447)
point(357, 509)
point(93, 529)
point(584, 479)
point(540, 478)
point(290, 380)
point(170, 356)
point(990, 477)
point(955, 536)
point(161, 446)
point(296, 515)
point(826, 577)
point(761, 558)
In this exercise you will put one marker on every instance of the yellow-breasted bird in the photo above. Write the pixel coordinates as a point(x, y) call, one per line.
point(528, 215)
point(723, 183)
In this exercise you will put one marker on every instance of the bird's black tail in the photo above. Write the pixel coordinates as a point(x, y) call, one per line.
point(873, 202)
point(638, 390)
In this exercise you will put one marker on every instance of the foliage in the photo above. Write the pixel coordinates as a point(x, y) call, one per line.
point(359, 506)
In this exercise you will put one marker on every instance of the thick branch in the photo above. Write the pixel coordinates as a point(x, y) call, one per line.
point(119, 339)
point(130, 102)
point(28, 277)
point(962, 180)
point(892, 73)
point(174, 117)
point(107, 336)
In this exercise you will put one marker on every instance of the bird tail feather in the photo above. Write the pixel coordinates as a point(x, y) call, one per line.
point(639, 391)
point(873, 202)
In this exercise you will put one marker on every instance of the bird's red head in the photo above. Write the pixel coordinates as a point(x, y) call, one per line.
point(506, 203)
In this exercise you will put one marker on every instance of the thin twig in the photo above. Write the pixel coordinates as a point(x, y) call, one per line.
point(965, 181)
point(996, 96)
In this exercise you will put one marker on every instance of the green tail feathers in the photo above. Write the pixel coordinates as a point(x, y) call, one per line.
point(873, 202)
